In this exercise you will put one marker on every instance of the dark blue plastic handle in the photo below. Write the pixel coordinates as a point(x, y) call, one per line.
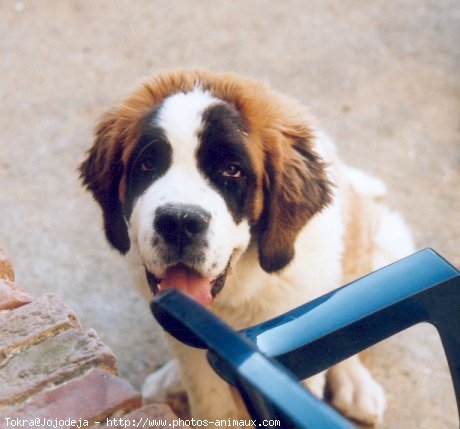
point(349, 319)
point(253, 373)
point(420, 288)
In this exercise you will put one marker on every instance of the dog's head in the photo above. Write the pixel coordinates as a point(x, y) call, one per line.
point(194, 167)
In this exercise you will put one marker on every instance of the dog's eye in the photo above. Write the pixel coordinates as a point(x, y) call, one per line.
point(232, 170)
point(148, 164)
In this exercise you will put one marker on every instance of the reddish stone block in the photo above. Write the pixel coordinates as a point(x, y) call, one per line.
point(92, 398)
point(12, 295)
point(150, 416)
point(32, 323)
point(50, 362)
point(6, 267)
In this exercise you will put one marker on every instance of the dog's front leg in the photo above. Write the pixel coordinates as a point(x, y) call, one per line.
point(209, 396)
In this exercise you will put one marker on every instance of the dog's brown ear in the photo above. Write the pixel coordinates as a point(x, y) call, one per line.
point(296, 187)
point(101, 173)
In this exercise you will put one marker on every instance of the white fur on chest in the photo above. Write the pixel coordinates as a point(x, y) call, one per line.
point(252, 296)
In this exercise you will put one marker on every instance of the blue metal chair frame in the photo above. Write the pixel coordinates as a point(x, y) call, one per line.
point(266, 361)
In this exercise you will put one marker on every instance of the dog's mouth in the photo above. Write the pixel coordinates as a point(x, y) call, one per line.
point(186, 279)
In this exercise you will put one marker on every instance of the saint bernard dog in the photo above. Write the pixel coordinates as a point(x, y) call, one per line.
point(221, 187)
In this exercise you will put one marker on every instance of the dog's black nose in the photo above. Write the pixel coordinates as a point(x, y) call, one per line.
point(180, 224)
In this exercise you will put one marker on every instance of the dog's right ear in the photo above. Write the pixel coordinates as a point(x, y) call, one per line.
point(101, 173)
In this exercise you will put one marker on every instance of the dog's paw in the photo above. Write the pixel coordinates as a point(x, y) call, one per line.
point(356, 394)
point(316, 384)
point(163, 383)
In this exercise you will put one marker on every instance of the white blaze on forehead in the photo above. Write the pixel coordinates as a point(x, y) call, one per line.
point(180, 117)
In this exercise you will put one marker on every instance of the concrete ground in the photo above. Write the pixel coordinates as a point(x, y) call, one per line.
point(382, 77)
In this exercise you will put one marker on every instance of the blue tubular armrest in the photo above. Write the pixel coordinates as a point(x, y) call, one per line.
point(420, 288)
point(268, 390)
point(423, 287)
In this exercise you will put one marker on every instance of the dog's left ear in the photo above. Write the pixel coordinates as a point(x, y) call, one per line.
point(101, 173)
point(296, 187)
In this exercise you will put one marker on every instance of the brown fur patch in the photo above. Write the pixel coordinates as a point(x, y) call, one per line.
point(361, 219)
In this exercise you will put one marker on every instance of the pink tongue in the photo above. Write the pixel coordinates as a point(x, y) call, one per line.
point(188, 281)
